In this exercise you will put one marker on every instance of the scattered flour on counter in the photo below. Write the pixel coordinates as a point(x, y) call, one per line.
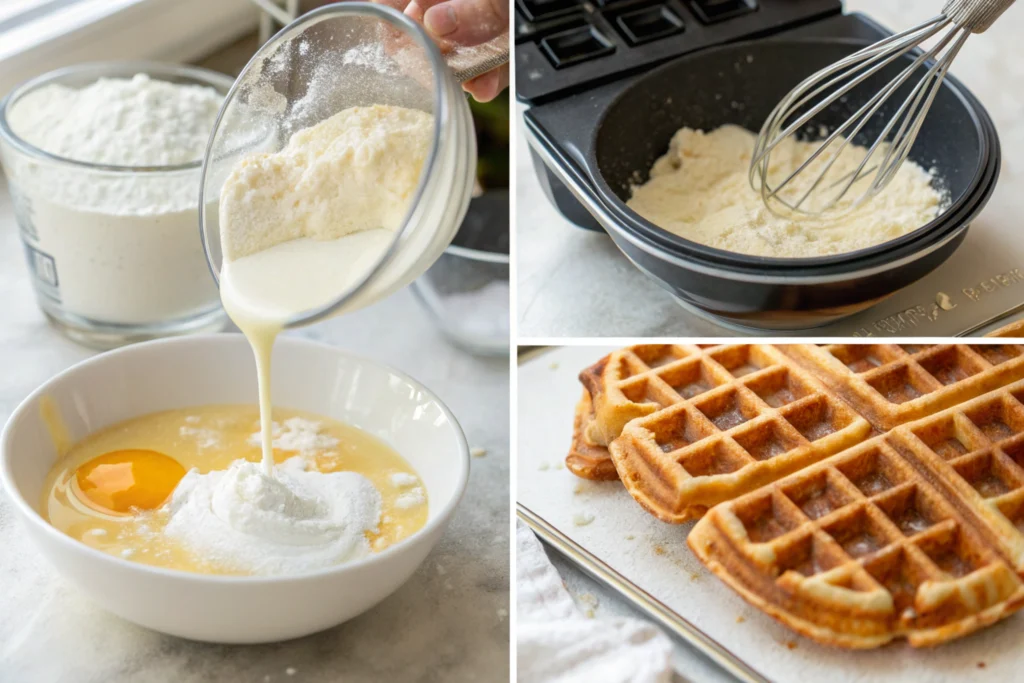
point(292, 522)
point(411, 498)
point(700, 190)
point(299, 435)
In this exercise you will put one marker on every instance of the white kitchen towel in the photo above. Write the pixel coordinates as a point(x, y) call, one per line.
point(557, 644)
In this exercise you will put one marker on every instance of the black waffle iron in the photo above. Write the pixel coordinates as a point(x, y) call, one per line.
point(609, 85)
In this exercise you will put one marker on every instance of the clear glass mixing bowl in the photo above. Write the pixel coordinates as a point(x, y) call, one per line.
point(103, 273)
point(339, 56)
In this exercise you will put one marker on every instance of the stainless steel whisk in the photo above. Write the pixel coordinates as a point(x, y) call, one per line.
point(828, 86)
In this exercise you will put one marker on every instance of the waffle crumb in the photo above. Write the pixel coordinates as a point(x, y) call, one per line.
point(630, 537)
point(740, 619)
point(694, 576)
point(553, 366)
point(981, 665)
point(580, 488)
point(543, 467)
point(582, 518)
point(658, 550)
point(478, 452)
point(589, 614)
point(791, 644)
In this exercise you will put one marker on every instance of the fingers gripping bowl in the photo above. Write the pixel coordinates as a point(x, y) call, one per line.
point(739, 84)
point(218, 369)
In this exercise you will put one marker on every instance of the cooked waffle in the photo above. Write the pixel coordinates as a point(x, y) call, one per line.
point(757, 417)
point(639, 380)
point(856, 551)
point(587, 459)
point(976, 452)
point(916, 533)
point(1011, 331)
point(891, 385)
point(609, 383)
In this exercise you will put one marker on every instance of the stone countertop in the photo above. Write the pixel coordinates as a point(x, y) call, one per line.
point(449, 622)
point(575, 283)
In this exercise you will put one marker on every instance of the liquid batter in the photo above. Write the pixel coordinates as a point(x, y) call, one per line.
point(303, 225)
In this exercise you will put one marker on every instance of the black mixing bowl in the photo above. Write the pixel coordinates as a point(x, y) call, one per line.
point(739, 84)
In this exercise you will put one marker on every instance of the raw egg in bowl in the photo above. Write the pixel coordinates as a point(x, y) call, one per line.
point(218, 369)
point(132, 479)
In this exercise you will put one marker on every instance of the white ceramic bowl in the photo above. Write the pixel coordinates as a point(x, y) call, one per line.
point(177, 373)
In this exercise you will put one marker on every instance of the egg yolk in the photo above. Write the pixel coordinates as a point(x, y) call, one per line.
point(121, 480)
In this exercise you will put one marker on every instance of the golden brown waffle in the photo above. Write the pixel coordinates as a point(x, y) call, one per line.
point(587, 459)
point(916, 533)
point(637, 381)
point(1011, 331)
point(891, 385)
point(758, 418)
point(976, 452)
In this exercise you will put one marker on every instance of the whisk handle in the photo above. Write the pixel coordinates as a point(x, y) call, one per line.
point(975, 15)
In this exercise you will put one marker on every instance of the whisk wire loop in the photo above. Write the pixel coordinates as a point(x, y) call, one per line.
point(833, 85)
point(863, 117)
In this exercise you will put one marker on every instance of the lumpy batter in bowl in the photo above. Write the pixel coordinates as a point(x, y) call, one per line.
point(700, 190)
point(184, 489)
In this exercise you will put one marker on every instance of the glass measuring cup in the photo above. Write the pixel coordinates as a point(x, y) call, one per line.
point(339, 56)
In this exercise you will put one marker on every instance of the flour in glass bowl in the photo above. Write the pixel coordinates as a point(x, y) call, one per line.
point(118, 247)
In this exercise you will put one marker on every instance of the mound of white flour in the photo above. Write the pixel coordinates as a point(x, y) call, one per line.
point(293, 522)
point(120, 121)
point(700, 190)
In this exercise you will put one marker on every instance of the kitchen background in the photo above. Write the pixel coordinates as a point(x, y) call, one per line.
point(450, 621)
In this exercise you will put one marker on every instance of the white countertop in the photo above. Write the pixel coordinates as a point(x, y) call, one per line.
point(576, 283)
point(448, 623)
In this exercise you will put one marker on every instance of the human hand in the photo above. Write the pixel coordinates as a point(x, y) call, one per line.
point(466, 23)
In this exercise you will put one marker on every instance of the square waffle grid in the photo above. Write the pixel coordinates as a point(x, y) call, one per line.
point(651, 557)
point(892, 384)
point(725, 419)
point(859, 550)
point(977, 451)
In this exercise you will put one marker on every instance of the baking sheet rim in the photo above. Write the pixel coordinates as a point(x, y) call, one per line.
point(722, 656)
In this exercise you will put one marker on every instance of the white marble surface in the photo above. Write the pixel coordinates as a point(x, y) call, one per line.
point(575, 283)
point(448, 623)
